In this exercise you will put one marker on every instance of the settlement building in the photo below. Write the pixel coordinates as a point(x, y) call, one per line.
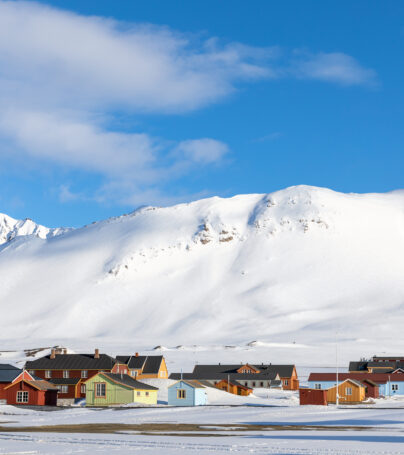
point(349, 391)
point(106, 389)
point(31, 392)
point(145, 366)
point(234, 387)
point(187, 393)
point(253, 376)
point(70, 371)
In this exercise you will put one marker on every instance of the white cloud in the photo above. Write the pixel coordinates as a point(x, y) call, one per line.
point(334, 67)
point(63, 76)
point(202, 151)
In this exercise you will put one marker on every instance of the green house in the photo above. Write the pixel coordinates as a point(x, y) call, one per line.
point(108, 389)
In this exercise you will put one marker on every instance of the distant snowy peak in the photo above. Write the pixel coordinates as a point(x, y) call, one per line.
point(11, 228)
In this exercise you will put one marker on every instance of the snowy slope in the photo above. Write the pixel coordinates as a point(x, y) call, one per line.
point(289, 266)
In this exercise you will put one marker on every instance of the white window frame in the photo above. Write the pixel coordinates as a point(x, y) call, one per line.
point(66, 374)
point(317, 386)
point(100, 385)
point(22, 396)
point(394, 387)
point(138, 394)
point(84, 374)
point(64, 389)
point(83, 388)
point(348, 391)
point(48, 374)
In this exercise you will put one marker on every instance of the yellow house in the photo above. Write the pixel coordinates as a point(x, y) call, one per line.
point(109, 389)
point(145, 366)
point(349, 391)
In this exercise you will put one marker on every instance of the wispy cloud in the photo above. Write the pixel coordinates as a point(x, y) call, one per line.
point(334, 67)
point(63, 76)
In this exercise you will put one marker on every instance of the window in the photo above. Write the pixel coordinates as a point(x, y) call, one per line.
point(84, 373)
point(317, 386)
point(253, 384)
point(63, 388)
point(31, 372)
point(286, 382)
point(394, 387)
point(83, 388)
point(181, 394)
point(348, 391)
point(66, 374)
point(162, 374)
point(100, 389)
point(133, 373)
point(147, 394)
point(246, 384)
point(138, 394)
point(261, 384)
point(22, 396)
point(48, 374)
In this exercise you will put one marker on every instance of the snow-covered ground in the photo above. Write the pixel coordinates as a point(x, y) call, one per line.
point(381, 432)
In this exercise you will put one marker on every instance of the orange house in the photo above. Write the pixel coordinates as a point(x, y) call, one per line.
point(145, 366)
point(234, 387)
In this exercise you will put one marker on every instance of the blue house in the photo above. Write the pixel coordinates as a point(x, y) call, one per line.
point(187, 393)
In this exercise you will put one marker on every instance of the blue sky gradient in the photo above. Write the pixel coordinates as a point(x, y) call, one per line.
point(286, 93)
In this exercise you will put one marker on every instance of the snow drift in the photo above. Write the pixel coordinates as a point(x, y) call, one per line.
point(294, 265)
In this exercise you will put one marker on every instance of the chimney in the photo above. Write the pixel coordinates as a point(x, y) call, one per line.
point(65, 351)
point(53, 353)
point(97, 354)
point(137, 354)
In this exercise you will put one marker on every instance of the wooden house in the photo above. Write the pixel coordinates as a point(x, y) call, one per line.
point(31, 392)
point(187, 393)
point(9, 374)
point(109, 389)
point(349, 391)
point(69, 372)
point(145, 366)
point(253, 376)
point(313, 397)
point(234, 387)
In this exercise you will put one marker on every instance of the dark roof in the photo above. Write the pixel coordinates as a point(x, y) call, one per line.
point(379, 378)
point(149, 364)
point(217, 372)
point(9, 375)
point(72, 362)
point(64, 381)
point(7, 366)
point(127, 381)
point(275, 383)
point(390, 357)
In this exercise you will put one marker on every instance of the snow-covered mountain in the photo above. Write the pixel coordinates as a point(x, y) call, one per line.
point(11, 228)
point(294, 265)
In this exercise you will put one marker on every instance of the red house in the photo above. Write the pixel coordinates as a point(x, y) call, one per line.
point(34, 393)
point(70, 371)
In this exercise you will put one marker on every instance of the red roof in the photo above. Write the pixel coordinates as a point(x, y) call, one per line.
point(379, 378)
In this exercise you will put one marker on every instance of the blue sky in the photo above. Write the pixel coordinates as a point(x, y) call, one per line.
point(107, 106)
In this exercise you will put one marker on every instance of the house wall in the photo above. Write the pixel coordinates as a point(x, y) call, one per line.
point(115, 394)
point(358, 393)
point(193, 397)
point(145, 396)
point(384, 389)
point(35, 397)
point(313, 397)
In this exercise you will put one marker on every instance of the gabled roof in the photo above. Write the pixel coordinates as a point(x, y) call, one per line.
point(149, 364)
point(7, 366)
point(9, 375)
point(127, 381)
point(72, 362)
point(351, 381)
point(192, 383)
point(40, 384)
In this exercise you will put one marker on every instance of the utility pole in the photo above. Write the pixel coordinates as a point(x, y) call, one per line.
point(336, 364)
